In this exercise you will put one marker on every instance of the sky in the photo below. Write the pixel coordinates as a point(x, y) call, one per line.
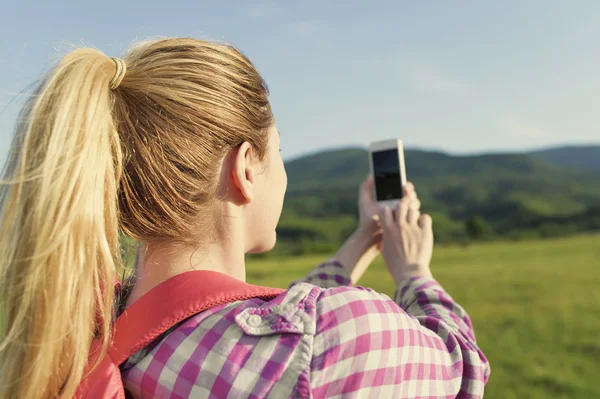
point(458, 76)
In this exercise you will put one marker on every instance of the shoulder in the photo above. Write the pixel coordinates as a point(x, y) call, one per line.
point(247, 347)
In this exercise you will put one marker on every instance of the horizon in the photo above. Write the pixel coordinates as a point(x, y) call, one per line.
point(526, 151)
point(468, 79)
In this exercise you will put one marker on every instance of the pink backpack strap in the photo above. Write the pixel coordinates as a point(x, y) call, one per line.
point(166, 305)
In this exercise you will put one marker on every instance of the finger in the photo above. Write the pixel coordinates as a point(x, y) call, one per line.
point(415, 204)
point(411, 196)
point(412, 215)
point(376, 219)
point(425, 222)
point(366, 190)
point(402, 210)
point(409, 188)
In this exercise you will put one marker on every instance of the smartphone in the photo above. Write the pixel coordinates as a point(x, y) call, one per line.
point(387, 166)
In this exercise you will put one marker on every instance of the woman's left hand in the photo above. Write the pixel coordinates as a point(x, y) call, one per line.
point(368, 211)
point(359, 251)
point(369, 225)
point(361, 248)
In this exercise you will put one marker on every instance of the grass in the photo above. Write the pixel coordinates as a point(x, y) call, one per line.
point(535, 306)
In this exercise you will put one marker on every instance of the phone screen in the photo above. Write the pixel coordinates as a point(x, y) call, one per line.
point(386, 172)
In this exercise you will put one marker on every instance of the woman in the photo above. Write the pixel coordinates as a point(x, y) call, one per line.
point(176, 147)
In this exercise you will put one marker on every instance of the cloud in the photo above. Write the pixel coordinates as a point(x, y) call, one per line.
point(428, 77)
point(531, 132)
point(519, 129)
point(264, 10)
point(414, 71)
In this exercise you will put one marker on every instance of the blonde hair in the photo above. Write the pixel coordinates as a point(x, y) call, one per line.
point(89, 163)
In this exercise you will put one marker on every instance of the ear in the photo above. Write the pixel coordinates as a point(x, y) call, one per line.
point(243, 171)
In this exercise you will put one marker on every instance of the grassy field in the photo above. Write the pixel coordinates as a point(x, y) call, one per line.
point(535, 307)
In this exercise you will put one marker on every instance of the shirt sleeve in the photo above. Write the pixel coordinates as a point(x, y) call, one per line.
point(328, 274)
point(419, 346)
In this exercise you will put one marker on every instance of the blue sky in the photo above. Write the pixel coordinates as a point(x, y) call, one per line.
point(460, 76)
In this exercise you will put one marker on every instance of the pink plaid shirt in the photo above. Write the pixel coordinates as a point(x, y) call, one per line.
point(321, 338)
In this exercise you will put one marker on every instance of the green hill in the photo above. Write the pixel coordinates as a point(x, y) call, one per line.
point(515, 194)
point(581, 157)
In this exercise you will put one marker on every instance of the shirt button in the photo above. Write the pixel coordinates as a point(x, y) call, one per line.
point(254, 320)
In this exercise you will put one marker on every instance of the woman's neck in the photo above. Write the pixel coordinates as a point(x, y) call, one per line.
point(159, 262)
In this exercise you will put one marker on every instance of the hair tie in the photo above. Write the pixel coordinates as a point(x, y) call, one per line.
point(119, 73)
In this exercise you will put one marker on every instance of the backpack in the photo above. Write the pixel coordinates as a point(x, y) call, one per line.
point(163, 307)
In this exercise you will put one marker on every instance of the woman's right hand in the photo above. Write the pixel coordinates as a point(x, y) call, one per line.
point(407, 240)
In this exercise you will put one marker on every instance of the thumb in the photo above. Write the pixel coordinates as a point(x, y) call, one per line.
point(425, 222)
point(366, 190)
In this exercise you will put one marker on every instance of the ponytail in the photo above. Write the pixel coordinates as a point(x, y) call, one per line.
point(59, 230)
point(74, 182)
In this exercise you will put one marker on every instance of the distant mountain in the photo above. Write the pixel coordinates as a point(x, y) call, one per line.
point(339, 168)
point(510, 192)
point(342, 167)
point(456, 184)
point(348, 164)
point(581, 157)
